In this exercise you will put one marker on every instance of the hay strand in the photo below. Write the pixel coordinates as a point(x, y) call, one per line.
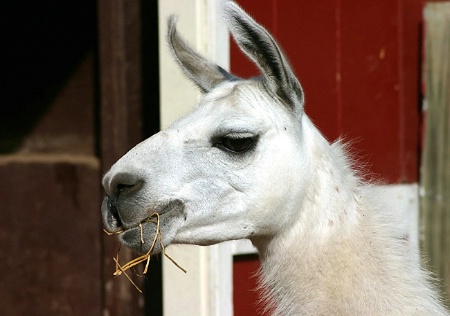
point(121, 269)
point(126, 274)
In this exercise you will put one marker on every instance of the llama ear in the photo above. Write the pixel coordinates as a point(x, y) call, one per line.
point(205, 74)
point(260, 47)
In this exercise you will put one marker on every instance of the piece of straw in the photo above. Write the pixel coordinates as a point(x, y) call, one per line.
point(146, 257)
point(126, 274)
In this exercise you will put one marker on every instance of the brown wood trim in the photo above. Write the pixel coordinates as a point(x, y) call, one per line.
point(120, 125)
point(120, 77)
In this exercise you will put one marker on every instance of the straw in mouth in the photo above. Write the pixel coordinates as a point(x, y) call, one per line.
point(121, 269)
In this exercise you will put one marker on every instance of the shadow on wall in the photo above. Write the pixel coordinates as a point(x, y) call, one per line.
point(43, 43)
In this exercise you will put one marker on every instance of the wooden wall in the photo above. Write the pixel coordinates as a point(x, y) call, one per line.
point(71, 104)
point(49, 193)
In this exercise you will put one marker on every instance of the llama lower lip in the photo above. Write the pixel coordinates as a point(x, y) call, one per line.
point(139, 238)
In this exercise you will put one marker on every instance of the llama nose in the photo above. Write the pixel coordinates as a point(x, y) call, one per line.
point(120, 188)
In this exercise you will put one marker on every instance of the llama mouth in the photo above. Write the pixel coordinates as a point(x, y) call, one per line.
point(114, 223)
point(141, 237)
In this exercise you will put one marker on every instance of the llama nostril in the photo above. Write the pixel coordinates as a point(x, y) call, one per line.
point(123, 187)
point(121, 190)
point(115, 218)
point(120, 183)
point(110, 214)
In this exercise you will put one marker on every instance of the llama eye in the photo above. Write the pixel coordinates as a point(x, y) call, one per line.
point(237, 143)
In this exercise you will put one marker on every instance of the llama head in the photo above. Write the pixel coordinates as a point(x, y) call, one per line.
point(232, 168)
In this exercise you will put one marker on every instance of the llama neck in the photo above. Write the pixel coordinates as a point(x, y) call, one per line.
point(337, 257)
point(298, 264)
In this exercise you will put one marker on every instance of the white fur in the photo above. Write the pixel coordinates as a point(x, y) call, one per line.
point(327, 243)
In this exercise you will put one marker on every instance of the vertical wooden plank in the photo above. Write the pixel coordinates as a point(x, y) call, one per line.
point(245, 297)
point(435, 181)
point(371, 83)
point(379, 91)
point(120, 77)
point(411, 59)
point(121, 127)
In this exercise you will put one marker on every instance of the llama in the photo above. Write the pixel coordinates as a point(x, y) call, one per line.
point(248, 163)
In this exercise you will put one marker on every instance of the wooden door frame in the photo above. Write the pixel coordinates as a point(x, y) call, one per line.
point(119, 27)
